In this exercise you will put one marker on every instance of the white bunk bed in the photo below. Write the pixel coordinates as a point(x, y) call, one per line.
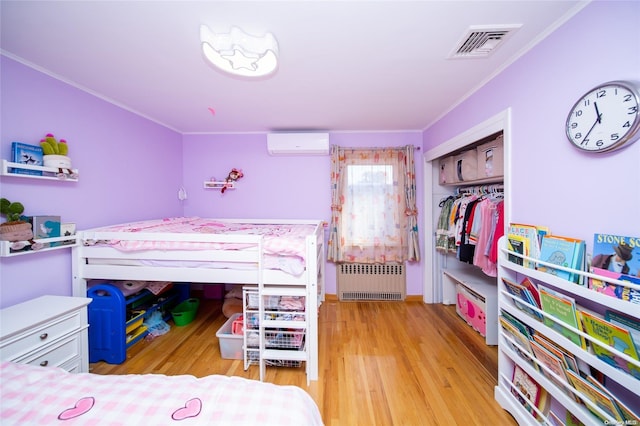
point(210, 251)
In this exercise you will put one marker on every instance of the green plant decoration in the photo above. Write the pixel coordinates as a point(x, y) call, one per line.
point(50, 146)
point(12, 211)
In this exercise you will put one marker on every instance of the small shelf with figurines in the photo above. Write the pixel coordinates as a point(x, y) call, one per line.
point(46, 160)
point(18, 233)
point(38, 172)
point(17, 248)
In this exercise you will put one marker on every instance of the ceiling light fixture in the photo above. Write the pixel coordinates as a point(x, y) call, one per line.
point(239, 53)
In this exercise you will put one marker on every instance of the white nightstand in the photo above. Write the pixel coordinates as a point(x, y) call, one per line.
point(50, 331)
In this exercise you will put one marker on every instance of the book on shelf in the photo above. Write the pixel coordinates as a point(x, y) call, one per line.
point(568, 359)
point(524, 294)
point(613, 336)
point(562, 251)
point(619, 291)
point(616, 253)
point(532, 233)
point(555, 364)
point(631, 324)
point(597, 397)
point(629, 417)
point(533, 289)
point(518, 244)
point(521, 339)
point(616, 257)
point(24, 153)
point(563, 308)
point(530, 392)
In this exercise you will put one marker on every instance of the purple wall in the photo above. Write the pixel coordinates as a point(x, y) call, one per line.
point(129, 169)
point(575, 194)
point(132, 168)
point(277, 187)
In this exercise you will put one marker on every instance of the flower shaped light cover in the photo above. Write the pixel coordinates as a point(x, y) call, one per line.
point(239, 53)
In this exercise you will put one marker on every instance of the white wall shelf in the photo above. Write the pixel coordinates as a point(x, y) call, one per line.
point(48, 173)
point(211, 184)
point(63, 242)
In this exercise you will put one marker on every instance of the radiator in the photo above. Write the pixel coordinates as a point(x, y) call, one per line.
point(359, 281)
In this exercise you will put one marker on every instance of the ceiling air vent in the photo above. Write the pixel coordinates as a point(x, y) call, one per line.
point(481, 41)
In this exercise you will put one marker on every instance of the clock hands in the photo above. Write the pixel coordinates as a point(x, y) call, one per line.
point(598, 121)
point(595, 104)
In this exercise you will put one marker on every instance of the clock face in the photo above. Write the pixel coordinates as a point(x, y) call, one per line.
point(605, 118)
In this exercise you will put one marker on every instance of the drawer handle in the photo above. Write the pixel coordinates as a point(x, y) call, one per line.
point(44, 336)
point(44, 363)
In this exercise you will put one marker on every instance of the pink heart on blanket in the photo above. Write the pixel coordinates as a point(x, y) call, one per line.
point(82, 406)
point(191, 409)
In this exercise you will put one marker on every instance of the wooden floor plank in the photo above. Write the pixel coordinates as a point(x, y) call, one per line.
point(380, 363)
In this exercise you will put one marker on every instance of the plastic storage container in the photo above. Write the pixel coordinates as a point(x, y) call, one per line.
point(185, 312)
point(230, 344)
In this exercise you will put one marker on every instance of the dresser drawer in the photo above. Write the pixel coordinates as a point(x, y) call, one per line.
point(40, 337)
point(54, 355)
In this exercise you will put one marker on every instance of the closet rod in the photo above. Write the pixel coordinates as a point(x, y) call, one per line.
point(481, 189)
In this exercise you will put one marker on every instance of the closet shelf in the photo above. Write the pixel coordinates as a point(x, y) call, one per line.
point(47, 173)
point(493, 179)
point(63, 242)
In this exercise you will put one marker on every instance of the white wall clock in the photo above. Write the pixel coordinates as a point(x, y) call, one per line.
point(605, 118)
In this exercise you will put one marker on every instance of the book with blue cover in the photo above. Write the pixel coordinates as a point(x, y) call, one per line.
point(562, 251)
point(24, 153)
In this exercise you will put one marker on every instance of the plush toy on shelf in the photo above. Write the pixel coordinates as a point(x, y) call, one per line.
point(56, 155)
point(233, 176)
point(15, 229)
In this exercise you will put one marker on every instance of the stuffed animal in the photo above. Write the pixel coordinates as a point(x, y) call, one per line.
point(50, 146)
point(15, 229)
point(233, 176)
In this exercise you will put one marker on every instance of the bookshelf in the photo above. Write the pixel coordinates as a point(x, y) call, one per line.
point(563, 398)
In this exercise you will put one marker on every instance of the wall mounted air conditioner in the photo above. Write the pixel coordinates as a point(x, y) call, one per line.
point(298, 143)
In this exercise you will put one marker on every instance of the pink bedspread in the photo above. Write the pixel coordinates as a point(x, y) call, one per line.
point(280, 239)
point(32, 395)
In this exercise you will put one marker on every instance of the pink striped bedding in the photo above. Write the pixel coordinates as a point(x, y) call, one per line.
point(33, 395)
point(278, 239)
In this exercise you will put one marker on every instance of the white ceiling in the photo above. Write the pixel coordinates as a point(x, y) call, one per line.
point(344, 65)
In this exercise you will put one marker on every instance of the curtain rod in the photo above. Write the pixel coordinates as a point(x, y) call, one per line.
point(375, 148)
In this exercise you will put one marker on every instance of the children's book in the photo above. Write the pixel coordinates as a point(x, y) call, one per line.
point(597, 397)
point(563, 308)
point(631, 324)
point(24, 153)
point(612, 336)
point(616, 253)
point(518, 244)
point(521, 292)
point(562, 251)
point(557, 350)
point(522, 340)
point(612, 289)
point(530, 392)
point(532, 234)
point(630, 418)
point(533, 289)
point(553, 363)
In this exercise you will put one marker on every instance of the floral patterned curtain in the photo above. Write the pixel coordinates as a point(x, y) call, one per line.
point(373, 206)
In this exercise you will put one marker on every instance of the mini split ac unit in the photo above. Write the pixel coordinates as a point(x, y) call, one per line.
point(298, 143)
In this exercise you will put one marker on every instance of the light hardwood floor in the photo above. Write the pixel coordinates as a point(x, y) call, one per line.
point(381, 363)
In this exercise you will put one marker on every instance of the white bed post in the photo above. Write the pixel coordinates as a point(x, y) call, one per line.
point(79, 284)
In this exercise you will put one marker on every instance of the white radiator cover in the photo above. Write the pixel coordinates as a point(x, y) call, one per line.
point(360, 281)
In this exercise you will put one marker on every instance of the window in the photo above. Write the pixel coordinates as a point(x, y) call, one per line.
point(371, 222)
